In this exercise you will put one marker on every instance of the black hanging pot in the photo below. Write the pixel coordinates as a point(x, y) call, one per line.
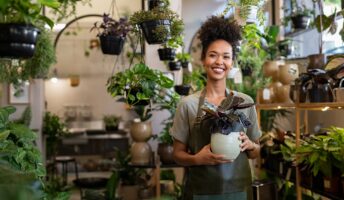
point(285, 49)
point(246, 70)
point(182, 89)
point(185, 64)
point(17, 40)
point(167, 54)
point(301, 21)
point(156, 31)
point(111, 45)
point(155, 3)
point(174, 65)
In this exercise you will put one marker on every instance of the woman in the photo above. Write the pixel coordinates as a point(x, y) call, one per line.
point(209, 175)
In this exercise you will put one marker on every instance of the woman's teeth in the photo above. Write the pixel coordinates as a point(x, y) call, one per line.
point(218, 70)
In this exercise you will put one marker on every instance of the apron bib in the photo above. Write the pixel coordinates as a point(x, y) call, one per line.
point(213, 179)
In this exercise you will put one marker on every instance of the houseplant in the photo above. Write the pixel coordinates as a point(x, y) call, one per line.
point(111, 122)
point(184, 58)
point(246, 11)
point(168, 52)
point(54, 129)
point(138, 84)
point(112, 34)
point(18, 22)
point(158, 25)
point(299, 15)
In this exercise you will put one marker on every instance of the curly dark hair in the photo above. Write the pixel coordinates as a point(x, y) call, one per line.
point(217, 27)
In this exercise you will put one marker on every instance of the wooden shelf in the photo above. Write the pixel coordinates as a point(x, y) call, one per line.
point(323, 193)
point(302, 106)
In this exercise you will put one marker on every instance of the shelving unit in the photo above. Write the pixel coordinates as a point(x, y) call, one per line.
point(298, 107)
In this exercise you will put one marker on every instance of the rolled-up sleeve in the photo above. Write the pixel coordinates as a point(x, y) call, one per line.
point(181, 126)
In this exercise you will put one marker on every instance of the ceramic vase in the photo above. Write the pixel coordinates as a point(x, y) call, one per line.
point(227, 145)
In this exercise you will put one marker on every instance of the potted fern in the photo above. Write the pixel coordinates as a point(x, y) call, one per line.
point(158, 25)
point(247, 11)
point(112, 34)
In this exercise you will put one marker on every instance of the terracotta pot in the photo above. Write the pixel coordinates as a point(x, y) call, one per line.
point(141, 131)
point(165, 152)
point(288, 73)
point(141, 153)
point(316, 61)
point(270, 68)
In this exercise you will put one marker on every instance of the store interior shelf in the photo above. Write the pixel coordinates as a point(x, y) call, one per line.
point(323, 193)
point(297, 32)
point(302, 106)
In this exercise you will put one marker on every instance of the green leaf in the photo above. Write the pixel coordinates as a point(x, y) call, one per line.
point(4, 135)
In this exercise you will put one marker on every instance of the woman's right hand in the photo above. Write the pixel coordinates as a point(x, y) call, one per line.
point(206, 157)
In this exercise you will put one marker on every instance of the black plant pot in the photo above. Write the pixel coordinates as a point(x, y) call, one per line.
point(165, 151)
point(154, 37)
point(155, 3)
point(167, 53)
point(246, 70)
point(301, 21)
point(111, 128)
point(182, 89)
point(285, 49)
point(185, 64)
point(111, 45)
point(320, 93)
point(17, 40)
point(174, 65)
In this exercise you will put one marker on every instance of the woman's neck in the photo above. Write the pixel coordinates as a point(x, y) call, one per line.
point(215, 89)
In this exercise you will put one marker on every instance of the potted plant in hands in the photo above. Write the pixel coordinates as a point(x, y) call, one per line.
point(158, 25)
point(112, 34)
point(18, 22)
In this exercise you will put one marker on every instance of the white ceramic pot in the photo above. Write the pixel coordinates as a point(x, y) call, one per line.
point(227, 145)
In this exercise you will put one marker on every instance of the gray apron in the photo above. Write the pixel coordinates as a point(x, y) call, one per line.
point(220, 179)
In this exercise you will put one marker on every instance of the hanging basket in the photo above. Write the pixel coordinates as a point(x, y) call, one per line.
point(174, 65)
point(155, 3)
point(111, 45)
point(17, 40)
point(301, 21)
point(167, 54)
point(182, 89)
point(156, 31)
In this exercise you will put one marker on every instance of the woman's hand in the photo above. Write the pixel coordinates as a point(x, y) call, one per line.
point(206, 157)
point(247, 144)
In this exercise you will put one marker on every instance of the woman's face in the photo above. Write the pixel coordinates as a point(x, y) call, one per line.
point(218, 60)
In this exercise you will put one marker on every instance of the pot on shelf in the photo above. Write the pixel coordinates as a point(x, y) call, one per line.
point(288, 73)
point(141, 153)
point(165, 152)
point(141, 131)
point(316, 61)
point(301, 21)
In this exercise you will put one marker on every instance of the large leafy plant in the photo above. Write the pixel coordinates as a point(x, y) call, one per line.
point(17, 146)
point(26, 11)
point(323, 153)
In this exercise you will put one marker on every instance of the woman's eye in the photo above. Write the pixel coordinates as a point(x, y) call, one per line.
point(212, 55)
point(227, 57)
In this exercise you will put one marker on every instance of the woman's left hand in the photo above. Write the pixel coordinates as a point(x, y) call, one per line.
point(246, 144)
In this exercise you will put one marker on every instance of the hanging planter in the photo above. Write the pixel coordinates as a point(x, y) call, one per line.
point(112, 34)
point(300, 21)
point(182, 89)
point(17, 40)
point(156, 31)
point(167, 53)
point(111, 45)
point(155, 3)
point(174, 65)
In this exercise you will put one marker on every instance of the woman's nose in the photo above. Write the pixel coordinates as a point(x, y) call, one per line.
point(219, 60)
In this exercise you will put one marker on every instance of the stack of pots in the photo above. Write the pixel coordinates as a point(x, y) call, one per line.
point(141, 152)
